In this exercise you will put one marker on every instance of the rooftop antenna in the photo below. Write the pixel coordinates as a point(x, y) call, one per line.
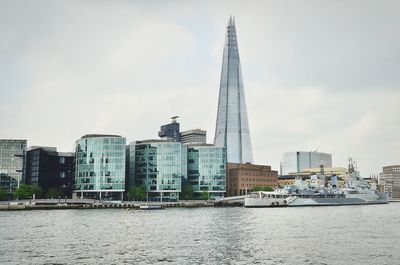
point(174, 119)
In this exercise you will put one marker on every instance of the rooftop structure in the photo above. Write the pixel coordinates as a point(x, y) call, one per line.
point(194, 136)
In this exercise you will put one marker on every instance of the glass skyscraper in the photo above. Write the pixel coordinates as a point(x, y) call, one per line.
point(12, 163)
point(100, 167)
point(232, 128)
point(206, 170)
point(160, 166)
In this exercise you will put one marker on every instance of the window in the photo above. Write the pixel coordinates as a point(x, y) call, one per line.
point(62, 174)
point(62, 160)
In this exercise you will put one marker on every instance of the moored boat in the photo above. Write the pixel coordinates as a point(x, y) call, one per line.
point(265, 199)
point(150, 207)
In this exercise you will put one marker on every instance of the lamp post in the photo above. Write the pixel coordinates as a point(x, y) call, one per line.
point(22, 156)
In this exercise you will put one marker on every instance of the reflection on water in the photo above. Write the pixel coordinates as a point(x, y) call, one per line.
point(314, 235)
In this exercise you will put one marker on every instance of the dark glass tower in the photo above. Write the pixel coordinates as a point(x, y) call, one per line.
point(47, 168)
point(232, 128)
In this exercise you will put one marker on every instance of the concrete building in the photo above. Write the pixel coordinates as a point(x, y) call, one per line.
point(295, 162)
point(47, 168)
point(12, 164)
point(232, 128)
point(390, 179)
point(195, 136)
point(241, 178)
point(100, 167)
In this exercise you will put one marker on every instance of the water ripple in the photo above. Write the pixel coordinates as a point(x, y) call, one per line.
point(334, 235)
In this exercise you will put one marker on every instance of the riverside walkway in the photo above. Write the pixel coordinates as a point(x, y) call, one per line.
point(56, 204)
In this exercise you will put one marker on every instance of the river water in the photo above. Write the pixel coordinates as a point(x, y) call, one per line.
point(309, 235)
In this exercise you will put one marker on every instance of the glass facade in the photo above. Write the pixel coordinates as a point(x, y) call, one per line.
point(12, 163)
point(160, 166)
point(100, 167)
point(207, 170)
point(232, 128)
point(298, 161)
point(170, 131)
point(47, 168)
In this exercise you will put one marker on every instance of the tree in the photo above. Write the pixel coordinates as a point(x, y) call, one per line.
point(137, 193)
point(187, 193)
point(3, 195)
point(205, 195)
point(262, 188)
point(26, 192)
point(53, 193)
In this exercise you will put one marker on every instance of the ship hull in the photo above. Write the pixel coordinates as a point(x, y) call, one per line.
point(296, 201)
point(332, 202)
point(264, 202)
point(350, 199)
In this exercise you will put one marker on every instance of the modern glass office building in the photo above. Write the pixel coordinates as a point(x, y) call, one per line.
point(207, 170)
point(160, 166)
point(47, 168)
point(293, 162)
point(100, 167)
point(12, 163)
point(232, 128)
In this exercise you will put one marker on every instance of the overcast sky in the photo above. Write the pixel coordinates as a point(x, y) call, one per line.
point(318, 75)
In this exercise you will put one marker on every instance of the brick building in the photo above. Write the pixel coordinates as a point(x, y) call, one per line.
point(241, 178)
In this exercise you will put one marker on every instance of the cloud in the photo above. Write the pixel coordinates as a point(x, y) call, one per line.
point(318, 74)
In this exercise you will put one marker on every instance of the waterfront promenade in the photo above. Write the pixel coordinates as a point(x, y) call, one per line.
point(59, 204)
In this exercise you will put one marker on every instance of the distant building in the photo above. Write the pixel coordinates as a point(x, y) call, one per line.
point(241, 178)
point(327, 171)
point(390, 179)
point(100, 167)
point(170, 131)
point(47, 168)
point(298, 161)
point(12, 163)
point(160, 166)
point(291, 179)
point(206, 165)
point(195, 136)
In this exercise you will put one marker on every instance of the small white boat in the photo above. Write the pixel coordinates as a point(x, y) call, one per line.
point(150, 207)
point(265, 199)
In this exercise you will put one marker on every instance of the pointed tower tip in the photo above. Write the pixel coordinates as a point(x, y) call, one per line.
point(231, 21)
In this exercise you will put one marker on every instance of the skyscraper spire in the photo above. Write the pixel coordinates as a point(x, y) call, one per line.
point(232, 129)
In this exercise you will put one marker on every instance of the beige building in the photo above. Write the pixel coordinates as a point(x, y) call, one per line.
point(241, 178)
point(290, 180)
point(390, 179)
point(308, 172)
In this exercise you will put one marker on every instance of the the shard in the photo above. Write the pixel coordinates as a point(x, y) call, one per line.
point(232, 128)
